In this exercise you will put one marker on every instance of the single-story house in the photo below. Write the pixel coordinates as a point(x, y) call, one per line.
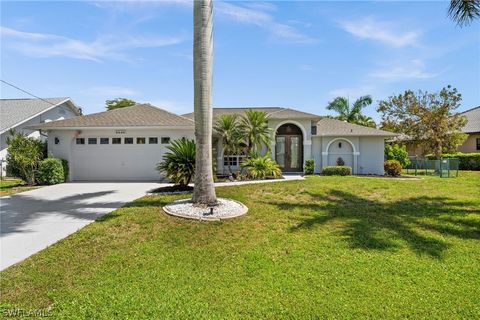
point(127, 143)
point(21, 114)
point(472, 128)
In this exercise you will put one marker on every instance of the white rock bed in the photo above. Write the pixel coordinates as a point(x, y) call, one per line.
point(225, 209)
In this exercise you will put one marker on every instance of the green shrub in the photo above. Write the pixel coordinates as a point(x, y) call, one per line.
point(340, 162)
point(179, 163)
point(309, 166)
point(337, 171)
point(258, 167)
point(392, 168)
point(51, 171)
point(397, 152)
point(467, 161)
point(24, 156)
point(65, 169)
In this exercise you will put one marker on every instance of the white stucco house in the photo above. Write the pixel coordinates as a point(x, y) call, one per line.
point(127, 143)
point(21, 114)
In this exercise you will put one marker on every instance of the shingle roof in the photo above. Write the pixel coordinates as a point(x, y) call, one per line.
point(140, 115)
point(273, 112)
point(473, 120)
point(333, 127)
point(16, 111)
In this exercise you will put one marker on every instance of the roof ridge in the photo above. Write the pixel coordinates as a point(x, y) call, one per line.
point(470, 110)
point(165, 110)
point(40, 99)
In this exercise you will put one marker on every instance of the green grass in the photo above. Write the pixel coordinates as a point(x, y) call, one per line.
point(12, 186)
point(327, 247)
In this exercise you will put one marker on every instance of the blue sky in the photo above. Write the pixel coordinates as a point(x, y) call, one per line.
point(294, 54)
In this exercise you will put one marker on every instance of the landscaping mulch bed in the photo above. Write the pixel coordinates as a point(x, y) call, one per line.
point(173, 189)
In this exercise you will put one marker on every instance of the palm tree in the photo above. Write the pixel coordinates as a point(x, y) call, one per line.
point(463, 12)
point(227, 127)
point(352, 114)
point(366, 121)
point(204, 190)
point(254, 126)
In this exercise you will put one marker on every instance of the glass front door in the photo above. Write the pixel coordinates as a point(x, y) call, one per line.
point(289, 153)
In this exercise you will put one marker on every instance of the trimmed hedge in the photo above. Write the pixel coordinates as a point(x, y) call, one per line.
point(392, 168)
point(309, 166)
point(337, 171)
point(467, 161)
point(51, 171)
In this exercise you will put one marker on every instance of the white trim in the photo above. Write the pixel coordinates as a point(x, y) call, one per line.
point(336, 139)
point(298, 124)
point(35, 115)
point(307, 142)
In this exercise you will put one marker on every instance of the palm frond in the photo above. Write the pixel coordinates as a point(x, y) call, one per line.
point(339, 105)
point(463, 12)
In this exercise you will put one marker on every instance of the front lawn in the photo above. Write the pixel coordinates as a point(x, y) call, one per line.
point(12, 186)
point(327, 247)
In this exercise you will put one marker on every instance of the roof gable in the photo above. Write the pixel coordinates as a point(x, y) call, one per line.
point(334, 127)
point(139, 115)
point(473, 120)
point(14, 112)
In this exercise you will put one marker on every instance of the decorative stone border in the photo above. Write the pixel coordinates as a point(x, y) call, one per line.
point(185, 209)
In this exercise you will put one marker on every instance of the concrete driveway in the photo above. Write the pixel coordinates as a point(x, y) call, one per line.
point(33, 220)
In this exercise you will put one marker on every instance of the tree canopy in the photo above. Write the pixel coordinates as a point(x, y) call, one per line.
point(352, 114)
point(428, 119)
point(119, 103)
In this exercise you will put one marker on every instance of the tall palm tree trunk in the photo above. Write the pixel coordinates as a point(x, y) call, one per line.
point(204, 191)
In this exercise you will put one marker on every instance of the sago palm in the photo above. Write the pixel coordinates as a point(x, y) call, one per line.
point(261, 167)
point(254, 126)
point(204, 190)
point(227, 127)
point(179, 163)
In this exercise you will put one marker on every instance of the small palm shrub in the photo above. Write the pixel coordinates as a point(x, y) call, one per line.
point(392, 168)
point(309, 166)
point(51, 171)
point(179, 163)
point(337, 171)
point(258, 167)
point(24, 156)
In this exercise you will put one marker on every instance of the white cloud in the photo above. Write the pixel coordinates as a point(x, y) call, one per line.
point(102, 48)
point(306, 67)
point(258, 16)
point(353, 92)
point(413, 69)
point(369, 28)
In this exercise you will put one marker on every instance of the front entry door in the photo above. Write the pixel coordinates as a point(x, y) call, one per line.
point(289, 153)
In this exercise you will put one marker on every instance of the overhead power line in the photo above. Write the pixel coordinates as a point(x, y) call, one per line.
point(25, 91)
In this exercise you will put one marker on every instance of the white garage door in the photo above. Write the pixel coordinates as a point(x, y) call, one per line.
point(115, 162)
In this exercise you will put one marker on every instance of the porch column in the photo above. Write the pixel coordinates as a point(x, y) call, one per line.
point(272, 149)
point(324, 159)
point(355, 161)
point(307, 150)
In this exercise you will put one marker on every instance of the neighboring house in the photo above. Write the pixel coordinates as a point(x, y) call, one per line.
point(20, 114)
point(472, 128)
point(127, 143)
